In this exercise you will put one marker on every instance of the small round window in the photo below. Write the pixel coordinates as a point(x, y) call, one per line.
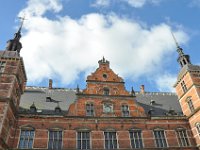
point(105, 76)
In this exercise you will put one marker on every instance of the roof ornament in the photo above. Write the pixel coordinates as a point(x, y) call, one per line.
point(132, 92)
point(15, 44)
point(179, 49)
point(182, 59)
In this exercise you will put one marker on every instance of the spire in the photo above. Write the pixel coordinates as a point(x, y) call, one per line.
point(15, 44)
point(182, 59)
point(132, 91)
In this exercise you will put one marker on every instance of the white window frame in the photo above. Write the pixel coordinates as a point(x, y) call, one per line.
point(138, 138)
point(81, 140)
point(55, 140)
point(110, 141)
point(160, 142)
point(27, 138)
point(182, 136)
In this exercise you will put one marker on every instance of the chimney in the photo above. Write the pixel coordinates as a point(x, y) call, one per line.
point(50, 83)
point(142, 90)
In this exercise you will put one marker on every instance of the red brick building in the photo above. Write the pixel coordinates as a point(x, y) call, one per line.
point(104, 115)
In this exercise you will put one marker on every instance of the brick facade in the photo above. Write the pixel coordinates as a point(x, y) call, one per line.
point(103, 108)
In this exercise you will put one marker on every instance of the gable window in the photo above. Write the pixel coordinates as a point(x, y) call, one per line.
point(182, 137)
point(125, 110)
point(184, 87)
point(26, 139)
point(2, 66)
point(160, 138)
point(55, 139)
point(89, 109)
point(105, 91)
point(83, 140)
point(136, 138)
point(190, 104)
point(110, 140)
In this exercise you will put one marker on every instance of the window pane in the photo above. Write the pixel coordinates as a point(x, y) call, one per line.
point(26, 139)
point(160, 138)
point(55, 140)
point(136, 141)
point(110, 140)
point(83, 140)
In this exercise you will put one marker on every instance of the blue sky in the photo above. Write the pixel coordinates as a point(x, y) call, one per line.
point(64, 39)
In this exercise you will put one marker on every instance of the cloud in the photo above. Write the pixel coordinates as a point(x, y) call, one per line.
point(64, 48)
point(101, 3)
point(165, 82)
point(194, 3)
point(132, 3)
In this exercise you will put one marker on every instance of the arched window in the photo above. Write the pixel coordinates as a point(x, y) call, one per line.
point(55, 139)
point(26, 138)
point(182, 137)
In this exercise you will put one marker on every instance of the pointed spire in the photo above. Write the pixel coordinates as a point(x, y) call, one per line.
point(132, 92)
point(15, 44)
point(182, 59)
point(77, 89)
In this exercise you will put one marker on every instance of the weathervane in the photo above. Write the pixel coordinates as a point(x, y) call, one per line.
point(22, 22)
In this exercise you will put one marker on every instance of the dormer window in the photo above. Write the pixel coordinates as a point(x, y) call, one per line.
point(33, 108)
point(106, 91)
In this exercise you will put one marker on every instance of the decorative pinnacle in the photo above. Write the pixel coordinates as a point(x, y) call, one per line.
point(179, 49)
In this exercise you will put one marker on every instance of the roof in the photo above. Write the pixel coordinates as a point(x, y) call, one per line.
point(162, 103)
point(185, 69)
point(159, 102)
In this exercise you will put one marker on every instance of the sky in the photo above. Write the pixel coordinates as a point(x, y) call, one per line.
point(64, 39)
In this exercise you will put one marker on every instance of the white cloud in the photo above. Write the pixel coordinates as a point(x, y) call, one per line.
point(194, 3)
point(65, 47)
point(98, 3)
point(132, 3)
point(165, 82)
point(39, 7)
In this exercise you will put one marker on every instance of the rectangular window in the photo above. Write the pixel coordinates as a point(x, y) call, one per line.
point(184, 87)
point(125, 111)
point(190, 104)
point(160, 138)
point(2, 66)
point(26, 139)
point(89, 109)
point(55, 139)
point(136, 138)
point(182, 138)
point(198, 128)
point(110, 140)
point(83, 140)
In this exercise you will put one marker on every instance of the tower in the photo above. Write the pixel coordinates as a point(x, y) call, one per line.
point(12, 84)
point(188, 91)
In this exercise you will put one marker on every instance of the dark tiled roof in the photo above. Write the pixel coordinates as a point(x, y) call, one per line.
point(163, 102)
point(160, 102)
point(37, 95)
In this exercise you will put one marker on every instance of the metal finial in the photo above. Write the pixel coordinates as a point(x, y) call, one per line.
point(22, 22)
point(179, 49)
